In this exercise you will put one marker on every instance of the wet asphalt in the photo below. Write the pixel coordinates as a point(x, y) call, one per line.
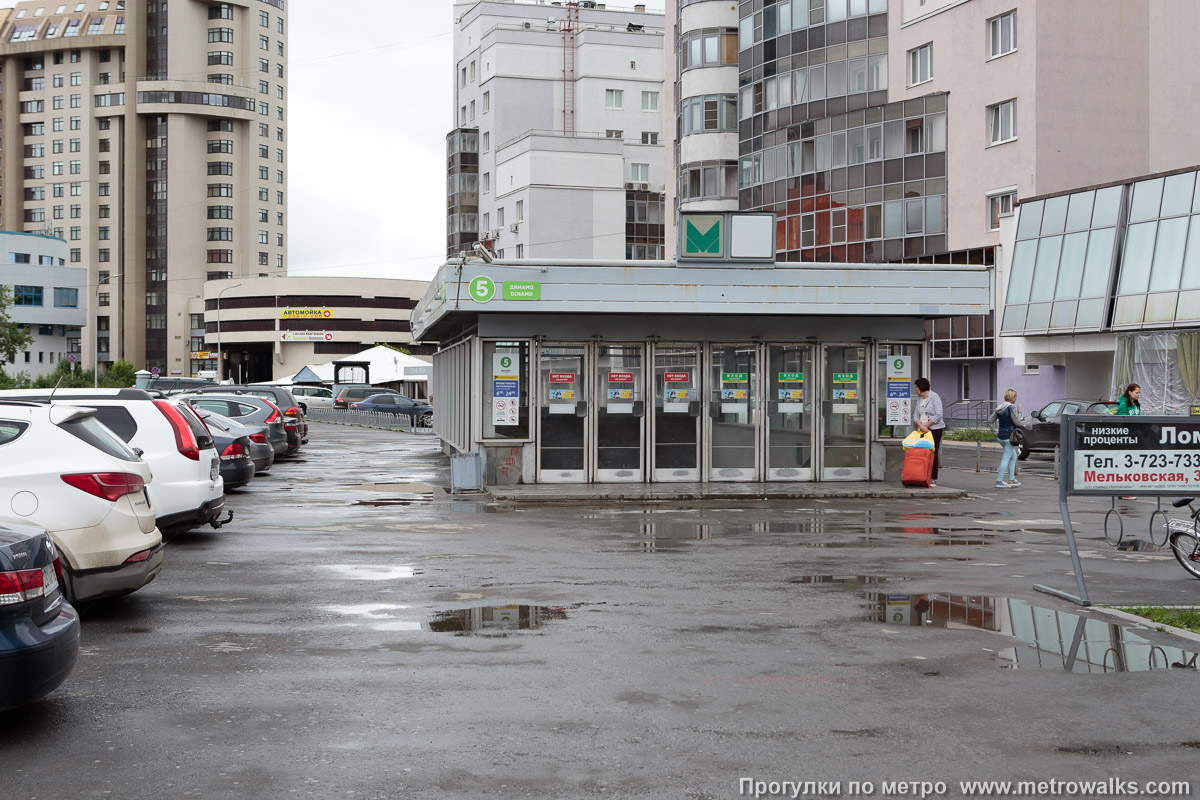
point(356, 632)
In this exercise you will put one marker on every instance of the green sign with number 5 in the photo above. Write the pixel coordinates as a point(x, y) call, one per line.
point(482, 289)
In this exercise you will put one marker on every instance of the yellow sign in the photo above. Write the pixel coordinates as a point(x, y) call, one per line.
point(305, 313)
point(201, 355)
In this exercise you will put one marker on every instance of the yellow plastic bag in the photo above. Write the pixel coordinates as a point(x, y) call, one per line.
point(919, 439)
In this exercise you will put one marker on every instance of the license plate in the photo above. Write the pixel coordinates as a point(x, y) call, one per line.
point(49, 579)
point(213, 469)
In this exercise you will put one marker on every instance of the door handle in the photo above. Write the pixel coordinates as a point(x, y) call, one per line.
point(772, 406)
point(694, 408)
point(714, 408)
point(639, 408)
point(581, 408)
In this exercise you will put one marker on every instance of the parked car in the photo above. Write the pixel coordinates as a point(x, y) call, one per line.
point(312, 397)
point(262, 455)
point(247, 410)
point(278, 395)
point(187, 490)
point(171, 385)
point(237, 468)
point(63, 470)
point(39, 630)
point(417, 411)
point(1042, 432)
point(354, 393)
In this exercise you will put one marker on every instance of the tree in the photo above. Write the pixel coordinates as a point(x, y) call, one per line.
point(121, 375)
point(13, 337)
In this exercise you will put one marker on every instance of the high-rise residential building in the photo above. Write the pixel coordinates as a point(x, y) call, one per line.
point(153, 138)
point(904, 130)
point(557, 144)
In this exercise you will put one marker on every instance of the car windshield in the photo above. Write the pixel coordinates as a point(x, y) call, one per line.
point(91, 430)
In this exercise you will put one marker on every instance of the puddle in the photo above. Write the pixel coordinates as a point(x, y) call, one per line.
point(396, 488)
point(389, 502)
point(1033, 637)
point(1141, 546)
point(494, 620)
point(364, 572)
point(843, 579)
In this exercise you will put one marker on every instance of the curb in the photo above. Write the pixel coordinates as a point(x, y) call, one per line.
point(532, 498)
point(1152, 625)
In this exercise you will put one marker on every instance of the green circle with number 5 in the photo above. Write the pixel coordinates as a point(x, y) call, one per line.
point(898, 363)
point(482, 289)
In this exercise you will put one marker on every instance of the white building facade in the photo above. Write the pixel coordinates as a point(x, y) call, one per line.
point(557, 147)
point(50, 300)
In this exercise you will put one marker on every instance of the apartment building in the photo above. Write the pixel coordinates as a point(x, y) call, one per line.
point(557, 145)
point(50, 300)
point(905, 130)
point(152, 137)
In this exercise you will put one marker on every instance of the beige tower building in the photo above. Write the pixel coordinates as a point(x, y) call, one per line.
point(153, 138)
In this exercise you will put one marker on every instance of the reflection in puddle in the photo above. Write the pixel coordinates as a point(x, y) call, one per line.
point(1043, 638)
point(489, 620)
point(398, 488)
point(364, 572)
point(843, 579)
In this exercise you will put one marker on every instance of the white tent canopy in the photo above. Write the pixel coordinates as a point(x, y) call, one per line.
point(387, 366)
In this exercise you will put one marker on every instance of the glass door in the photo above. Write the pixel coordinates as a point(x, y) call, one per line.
point(620, 412)
point(733, 413)
point(844, 454)
point(562, 414)
point(676, 413)
point(789, 401)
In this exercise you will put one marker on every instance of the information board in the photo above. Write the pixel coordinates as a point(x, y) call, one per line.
point(1133, 455)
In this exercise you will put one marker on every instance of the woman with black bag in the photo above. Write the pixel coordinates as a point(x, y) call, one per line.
point(1006, 418)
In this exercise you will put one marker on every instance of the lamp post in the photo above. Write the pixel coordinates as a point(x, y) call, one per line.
point(220, 371)
point(96, 348)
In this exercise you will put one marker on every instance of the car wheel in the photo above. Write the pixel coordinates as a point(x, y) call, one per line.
point(1021, 444)
point(68, 585)
point(427, 420)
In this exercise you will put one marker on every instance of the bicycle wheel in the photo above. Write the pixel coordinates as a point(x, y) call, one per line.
point(1165, 530)
point(1115, 538)
point(1185, 544)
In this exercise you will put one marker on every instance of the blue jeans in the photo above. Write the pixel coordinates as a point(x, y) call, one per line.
point(1009, 459)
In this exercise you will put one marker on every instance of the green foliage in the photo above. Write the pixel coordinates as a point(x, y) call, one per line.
point(17, 381)
point(13, 338)
point(121, 375)
point(63, 377)
point(970, 435)
point(1186, 618)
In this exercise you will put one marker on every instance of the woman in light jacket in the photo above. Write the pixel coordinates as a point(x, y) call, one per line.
point(1007, 417)
point(929, 419)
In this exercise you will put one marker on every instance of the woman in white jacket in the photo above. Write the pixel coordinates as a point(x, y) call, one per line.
point(1007, 417)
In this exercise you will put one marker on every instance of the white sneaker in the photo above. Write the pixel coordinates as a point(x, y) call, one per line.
point(1014, 483)
point(932, 484)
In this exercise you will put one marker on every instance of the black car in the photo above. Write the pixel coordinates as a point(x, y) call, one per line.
point(233, 449)
point(39, 630)
point(417, 411)
point(294, 419)
point(1042, 432)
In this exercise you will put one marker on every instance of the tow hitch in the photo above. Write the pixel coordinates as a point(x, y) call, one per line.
point(218, 523)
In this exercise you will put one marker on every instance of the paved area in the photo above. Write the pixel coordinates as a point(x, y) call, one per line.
point(664, 492)
point(356, 633)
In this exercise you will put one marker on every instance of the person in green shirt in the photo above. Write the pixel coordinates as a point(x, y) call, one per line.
point(1130, 405)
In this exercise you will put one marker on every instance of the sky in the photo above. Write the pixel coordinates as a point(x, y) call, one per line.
point(370, 101)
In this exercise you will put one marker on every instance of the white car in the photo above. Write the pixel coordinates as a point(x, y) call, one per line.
point(312, 397)
point(62, 470)
point(187, 490)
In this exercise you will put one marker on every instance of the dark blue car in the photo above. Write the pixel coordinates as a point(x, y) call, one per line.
point(39, 630)
point(418, 411)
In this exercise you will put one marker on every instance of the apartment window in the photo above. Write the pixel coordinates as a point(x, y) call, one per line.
point(264, 173)
point(264, 259)
point(220, 256)
point(279, 49)
point(487, 222)
point(487, 182)
point(56, 168)
point(649, 101)
point(220, 234)
point(1002, 122)
point(219, 276)
point(220, 168)
point(520, 250)
point(76, 211)
point(102, 299)
point(76, 123)
point(220, 190)
point(920, 64)
point(220, 35)
point(59, 190)
point(220, 58)
point(613, 98)
point(520, 211)
point(104, 145)
point(220, 146)
point(279, 24)
point(472, 105)
point(1002, 34)
point(102, 255)
point(76, 101)
point(487, 141)
point(279, 240)
point(264, 19)
point(264, 215)
point(220, 11)
point(264, 65)
point(649, 137)
point(264, 237)
point(76, 255)
point(56, 102)
point(614, 134)
point(639, 173)
point(264, 194)
point(264, 87)
point(279, 198)
point(220, 212)
point(104, 189)
point(105, 78)
point(279, 176)
point(103, 233)
point(487, 102)
point(76, 78)
point(264, 43)
point(264, 129)
point(999, 205)
point(56, 81)
point(103, 212)
point(27, 295)
point(76, 233)
point(264, 151)
point(279, 134)
point(500, 217)
point(56, 123)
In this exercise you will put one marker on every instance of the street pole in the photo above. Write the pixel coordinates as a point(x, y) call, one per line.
point(220, 370)
point(96, 343)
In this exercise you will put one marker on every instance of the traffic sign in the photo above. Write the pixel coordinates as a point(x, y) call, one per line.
point(71, 358)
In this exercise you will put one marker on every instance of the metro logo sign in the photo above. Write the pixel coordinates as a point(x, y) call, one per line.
point(703, 236)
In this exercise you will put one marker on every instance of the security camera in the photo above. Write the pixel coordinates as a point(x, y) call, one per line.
point(483, 252)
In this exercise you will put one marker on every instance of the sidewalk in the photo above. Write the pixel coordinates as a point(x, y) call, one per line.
point(660, 492)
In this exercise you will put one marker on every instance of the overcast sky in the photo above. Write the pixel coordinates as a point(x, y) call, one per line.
point(369, 103)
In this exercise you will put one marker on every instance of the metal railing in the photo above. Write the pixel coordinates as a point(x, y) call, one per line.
point(369, 419)
point(969, 414)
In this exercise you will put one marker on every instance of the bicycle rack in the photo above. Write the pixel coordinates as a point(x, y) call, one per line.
point(1166, 531)
point(1120, 525)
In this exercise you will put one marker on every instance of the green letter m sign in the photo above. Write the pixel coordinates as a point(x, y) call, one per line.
point(702, 236)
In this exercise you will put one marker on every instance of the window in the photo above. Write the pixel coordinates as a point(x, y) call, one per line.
point(487, 182)
point(613, 98)
point(220, 256)
point(220, 58)
point(264, 194)
point(103, 233)
point(104, 189)
point(264, 43)
point(220, 234)
point(1002, 122)
point(220, 11)
point(487, 102)
point(220, 146)
point(649, 101)
point(264, 129)
point(76, 211)
point(220, 35)
point(1002, 34)
point(500, 217)
point(220, 168)
point(76, 233)
point(263, 215)
point(220, 190)
point(102, 255)
point(487, 141)
point(264, 259)
point(649, 137)
point(264, 65)
point(76, 123)
point(614, 134)
point(103, 212)
point(76, 255)
point(999, 205)
point(472, 105)
point(278, 217)
point(639, 173)
point(27, 295)
point(264, 173)
point(264, 87)
point(76, 78)
point(76, 101)
point(920, 65)
point(220, 212)
point(520, 211)
point(264, 19)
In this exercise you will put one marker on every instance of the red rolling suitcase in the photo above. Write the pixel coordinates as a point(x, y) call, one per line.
point(918, 467)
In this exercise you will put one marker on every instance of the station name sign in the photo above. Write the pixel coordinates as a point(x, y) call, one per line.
point(1123, 455)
